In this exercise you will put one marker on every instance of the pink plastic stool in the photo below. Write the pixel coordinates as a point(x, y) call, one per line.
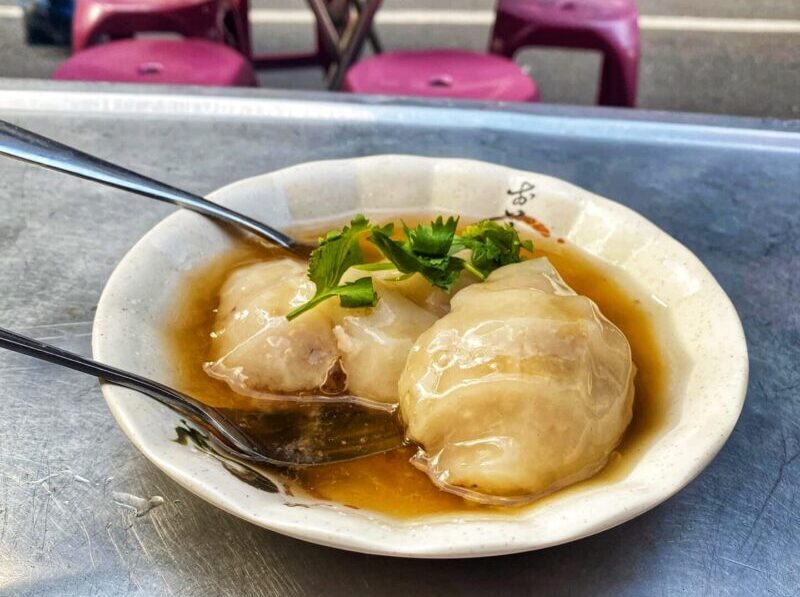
point(442, 73)
point(610, 26)
point(160, 61)
point(95, 19)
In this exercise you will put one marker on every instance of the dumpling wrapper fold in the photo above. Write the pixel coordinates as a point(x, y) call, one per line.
point(523, 388)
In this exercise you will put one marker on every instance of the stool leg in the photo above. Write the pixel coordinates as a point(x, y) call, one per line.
point(237, 23)
point(372, 37)
point(83, 23)
point(354, 44)
point(327, 33)
point(618, 82)
point(503, 30)
point(620, 72)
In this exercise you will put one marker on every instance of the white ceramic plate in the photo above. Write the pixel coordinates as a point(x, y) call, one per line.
point(706, 393)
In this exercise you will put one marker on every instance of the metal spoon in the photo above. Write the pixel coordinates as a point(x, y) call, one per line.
point(311, 434)
point(22, 144)
point(315, 433)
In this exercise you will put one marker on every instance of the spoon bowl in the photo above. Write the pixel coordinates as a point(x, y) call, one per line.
point(301, 434)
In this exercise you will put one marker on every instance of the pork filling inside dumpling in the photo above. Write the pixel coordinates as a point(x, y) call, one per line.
point(523, 388)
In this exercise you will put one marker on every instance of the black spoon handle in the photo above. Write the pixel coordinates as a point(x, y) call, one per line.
point(27, 146)
point(181, 403)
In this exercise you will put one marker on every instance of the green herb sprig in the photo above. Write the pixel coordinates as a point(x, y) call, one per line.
point(492, 245)
point(337, 252)
point(428, 249)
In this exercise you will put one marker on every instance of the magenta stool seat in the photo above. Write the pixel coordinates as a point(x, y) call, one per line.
point(610, 26)
point(442, 73)
point(164, 61)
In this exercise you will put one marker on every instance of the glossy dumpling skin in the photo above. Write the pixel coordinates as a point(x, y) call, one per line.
point(421, 292)
point(418, 290)
point(258, 352)
point(523, 388)
point(374, 343)
point(254, 348)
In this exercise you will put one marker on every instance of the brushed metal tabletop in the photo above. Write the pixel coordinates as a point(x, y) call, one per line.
point(83, 513)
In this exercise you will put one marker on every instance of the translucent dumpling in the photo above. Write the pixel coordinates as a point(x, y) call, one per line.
point(254, 348)
point(421, 292)
point(374, 343)
point(523, 388)
point(257, 351)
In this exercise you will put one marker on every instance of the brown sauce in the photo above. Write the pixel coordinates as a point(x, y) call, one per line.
point(388, 483)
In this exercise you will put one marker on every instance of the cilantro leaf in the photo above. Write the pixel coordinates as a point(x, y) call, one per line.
point(433, 240)
point(337, 252)
point(441, 270)
point(360, 293)
point(492, 245)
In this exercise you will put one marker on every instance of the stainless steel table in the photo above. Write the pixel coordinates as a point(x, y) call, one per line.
point(69, 480)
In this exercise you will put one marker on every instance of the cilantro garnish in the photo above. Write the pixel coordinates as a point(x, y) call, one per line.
point(429, 250)
point(337, 252)
point(491, 244)
point(426, 251)
point(433, 240)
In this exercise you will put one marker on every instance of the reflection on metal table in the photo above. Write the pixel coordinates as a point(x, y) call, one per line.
point(82, 512)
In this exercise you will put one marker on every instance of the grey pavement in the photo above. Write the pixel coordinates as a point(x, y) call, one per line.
point(755, 74)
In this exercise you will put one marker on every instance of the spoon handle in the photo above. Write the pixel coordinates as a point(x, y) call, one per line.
point(30, 147)
point(173, 399)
